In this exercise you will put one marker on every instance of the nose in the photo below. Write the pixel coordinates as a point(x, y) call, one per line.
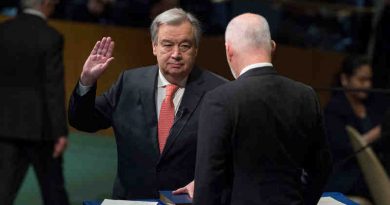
point(176, 53)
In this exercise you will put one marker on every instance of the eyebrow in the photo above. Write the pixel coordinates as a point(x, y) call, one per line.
point(171, 41)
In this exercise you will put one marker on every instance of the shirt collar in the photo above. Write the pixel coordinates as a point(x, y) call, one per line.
point(35, 13)
point(162, 81)
point(256, 65)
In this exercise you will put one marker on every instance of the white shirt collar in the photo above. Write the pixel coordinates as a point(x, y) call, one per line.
point(256, 65)
point(35, 13)
point(162, 82)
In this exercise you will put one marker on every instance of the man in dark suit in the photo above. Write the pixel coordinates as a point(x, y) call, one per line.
point(265, 143)
point(155, 130)
point(33, 124)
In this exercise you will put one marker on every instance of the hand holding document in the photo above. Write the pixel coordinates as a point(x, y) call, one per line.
point(329, 201)
point(125, 202)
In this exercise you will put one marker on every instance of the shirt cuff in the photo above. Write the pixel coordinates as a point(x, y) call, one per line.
point(83, 89)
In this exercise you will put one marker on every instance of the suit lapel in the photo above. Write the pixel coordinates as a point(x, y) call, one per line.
point(147, 94)
point(191, 99)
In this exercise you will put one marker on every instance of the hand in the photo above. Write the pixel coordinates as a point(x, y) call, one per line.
point(372, 135)
point(60, 146)
point(97, 61)
point(189, 189)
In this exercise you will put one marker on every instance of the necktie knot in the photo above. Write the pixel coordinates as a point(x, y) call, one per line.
point(170, 90)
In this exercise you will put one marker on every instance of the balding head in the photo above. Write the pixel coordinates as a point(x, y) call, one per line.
point(249, 31)
point(45, 6)
point(248, 41)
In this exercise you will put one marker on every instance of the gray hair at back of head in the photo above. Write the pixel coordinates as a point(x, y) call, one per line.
point(254, 33)
point(26, 4)
point(175, 16)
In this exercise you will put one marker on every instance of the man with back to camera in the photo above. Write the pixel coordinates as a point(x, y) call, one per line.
point(33, 128)
point(153, 110)
point(266, 144)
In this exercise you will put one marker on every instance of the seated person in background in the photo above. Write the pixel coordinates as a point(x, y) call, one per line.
point(362, 110)
point(93, 11)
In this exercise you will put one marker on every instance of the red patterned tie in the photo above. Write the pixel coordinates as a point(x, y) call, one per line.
point(167, 115)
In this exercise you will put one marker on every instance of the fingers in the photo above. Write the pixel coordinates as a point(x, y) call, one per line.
point(59, 147)
point(95, 48)
point(110, 49)
point(105, 65)
point(182, 190)
point(189, 189)
point(191, 194)
point(104, 47)
point(56, 153)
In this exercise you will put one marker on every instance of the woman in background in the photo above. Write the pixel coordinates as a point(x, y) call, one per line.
point(362, 110)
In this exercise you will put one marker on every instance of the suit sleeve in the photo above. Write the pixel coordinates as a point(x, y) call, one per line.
point(54, 88)
point(90, 113)
point(318, 164)
point(213, 150)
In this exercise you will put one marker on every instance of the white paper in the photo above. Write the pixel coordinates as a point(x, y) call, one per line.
point(125, 202)
point(329, 201)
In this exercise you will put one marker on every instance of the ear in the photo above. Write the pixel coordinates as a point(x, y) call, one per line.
point(229, 51)
point(196, 51)
point(273, 46)
point(154, 45)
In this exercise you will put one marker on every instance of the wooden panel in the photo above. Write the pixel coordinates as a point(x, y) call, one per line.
point(295, 63)
point(325, 67)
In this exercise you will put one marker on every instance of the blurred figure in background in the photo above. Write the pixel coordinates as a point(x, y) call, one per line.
point(94, 11)
point(381, 54)
point(9, 7)
point(361, 110)
point(33, 128)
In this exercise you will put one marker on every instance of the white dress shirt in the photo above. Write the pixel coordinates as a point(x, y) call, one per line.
point(256, 65)
point(35, 12)
point(161, 84)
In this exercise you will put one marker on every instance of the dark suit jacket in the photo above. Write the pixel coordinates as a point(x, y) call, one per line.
point(129, 107)
point(31, 80)
point(257, 135)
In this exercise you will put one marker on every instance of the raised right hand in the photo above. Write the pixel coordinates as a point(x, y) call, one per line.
point(97, 61)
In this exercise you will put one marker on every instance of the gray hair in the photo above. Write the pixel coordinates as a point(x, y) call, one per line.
point(252, 33)
point(175, 16)
point(26, 4)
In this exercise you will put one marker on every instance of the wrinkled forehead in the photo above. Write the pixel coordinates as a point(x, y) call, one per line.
point(183, 31)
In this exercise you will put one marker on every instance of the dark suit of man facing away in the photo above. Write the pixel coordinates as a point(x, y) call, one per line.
point(131, 106)
point(33, 125)
point(261, 134)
